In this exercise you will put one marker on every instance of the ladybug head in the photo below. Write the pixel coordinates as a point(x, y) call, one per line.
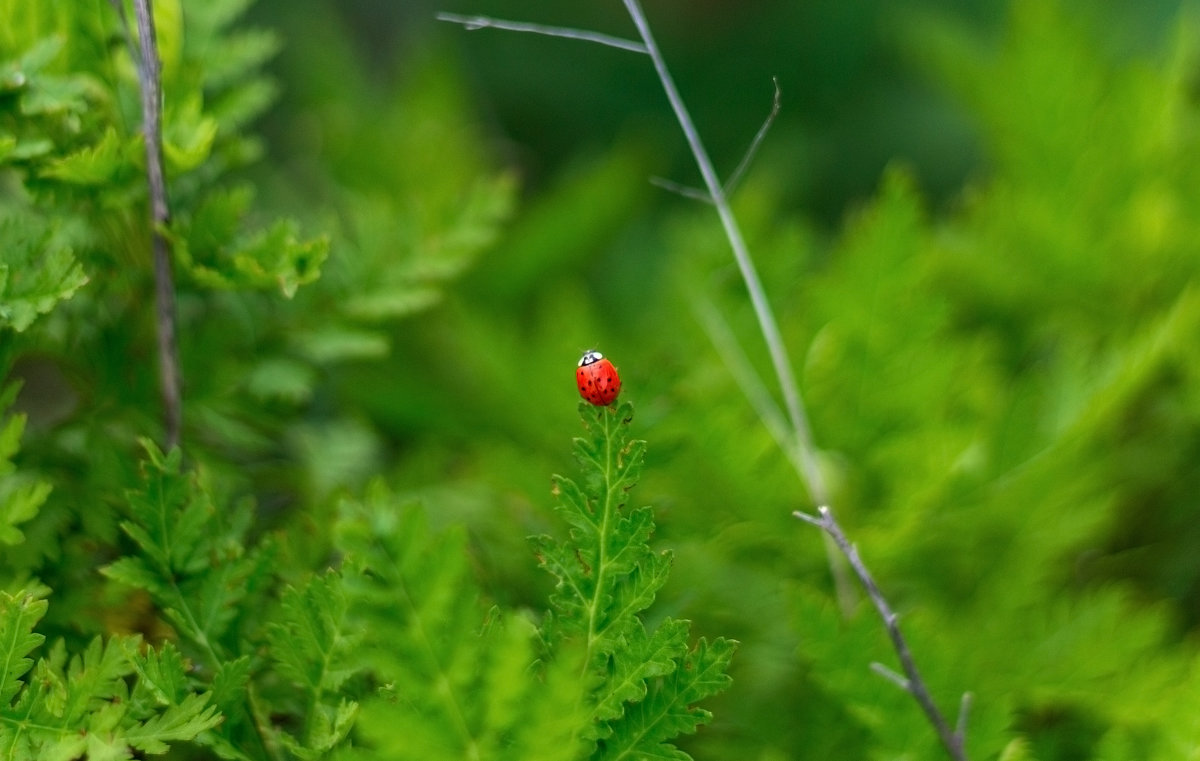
point(590, 356)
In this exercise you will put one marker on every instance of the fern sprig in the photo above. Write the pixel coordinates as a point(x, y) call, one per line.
point(18, 616)
point(642, 686)
point(606, 572)
point(458, 683)
point(195, 568)
point(20, 497)
point(311, 645)
point(82, 705)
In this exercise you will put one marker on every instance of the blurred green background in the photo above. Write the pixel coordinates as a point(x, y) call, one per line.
point(979, 224)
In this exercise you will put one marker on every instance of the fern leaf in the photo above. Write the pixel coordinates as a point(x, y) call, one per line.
point(168, 515)
point(643, 659)
point(135, 572)
point(192, 560)
point(311, 646)
point(643, 686)
point(18, 616)
point(162, 675)
point(82, 705)
point(95, 675)
point(38, 269)
point(20, 498)
point(92, 165)
point(182, 721)
point(453, 690)
point(311, 640)
point(229, 683)
point(214, 251)
point(670, 708)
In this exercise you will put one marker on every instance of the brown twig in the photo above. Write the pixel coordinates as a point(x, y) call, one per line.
point(150, 79)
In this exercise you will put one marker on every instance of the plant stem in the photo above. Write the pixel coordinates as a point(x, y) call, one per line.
point(804, 449)
point(483, 22)
point(912, 682)
point(150, 79)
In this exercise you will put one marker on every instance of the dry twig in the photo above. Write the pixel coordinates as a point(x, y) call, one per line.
point(150, 79)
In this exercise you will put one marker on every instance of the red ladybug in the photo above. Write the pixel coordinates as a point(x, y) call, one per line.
point(598, 380)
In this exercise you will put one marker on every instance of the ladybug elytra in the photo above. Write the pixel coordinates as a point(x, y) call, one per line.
point(597, 379)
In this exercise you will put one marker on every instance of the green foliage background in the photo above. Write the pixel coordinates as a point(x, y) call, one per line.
point(980, 228)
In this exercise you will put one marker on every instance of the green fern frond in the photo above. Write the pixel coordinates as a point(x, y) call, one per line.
point(82, 706)
point(38, 269)
point(311, 646)
point(18, 616)
point(191, 561)
point(454, 688)
point(643, 686)
point(669, 709)
point(20, 497)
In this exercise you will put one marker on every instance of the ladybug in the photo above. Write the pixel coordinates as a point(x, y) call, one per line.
point(598, 380)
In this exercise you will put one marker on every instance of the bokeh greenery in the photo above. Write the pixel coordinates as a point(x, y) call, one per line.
point(979, 226)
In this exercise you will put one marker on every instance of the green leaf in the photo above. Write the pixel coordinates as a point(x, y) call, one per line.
point(311, 645)
point(644, 686)
point(94, 675)
point(454, 689)
point(134, 571)
point(20, 497)
point(214, 250)
point(82, 703)
point(92, 165)
point(229, 683)
point(192, 560)
point(277, 257)
point(19, 615)
point(333, 343)
point(178, 722)
point(640, 659)
point(188, 138)
point(670, 708)
point(280, 378)
point(18, 505)
point(38, 269)
point(168, 514)
point(310, 641)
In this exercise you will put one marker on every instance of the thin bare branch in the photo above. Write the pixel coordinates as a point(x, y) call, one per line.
point(687, 191)
point(150, 79)
point(806, 450)
point(742, 166)
point(758, 296)
point(472, 23)
point(952, 740)
point(699, 195)
point(890, 675)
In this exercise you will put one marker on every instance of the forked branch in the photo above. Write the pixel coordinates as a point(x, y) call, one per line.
point(699, 195)
point(911, 682)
